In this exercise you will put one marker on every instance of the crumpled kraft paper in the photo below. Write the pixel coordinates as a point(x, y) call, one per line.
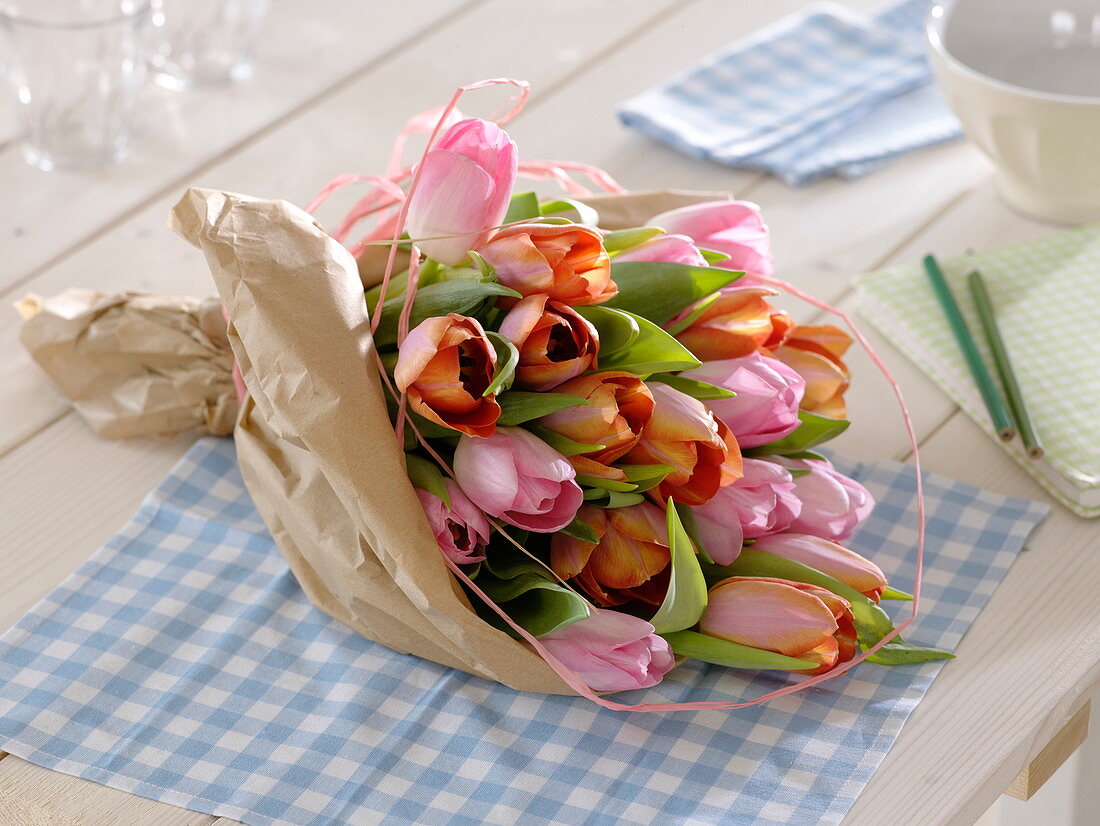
point(314, 441)
point(134, 364)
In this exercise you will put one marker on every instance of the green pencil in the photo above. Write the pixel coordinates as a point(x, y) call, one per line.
point(1003, 364)
point(1002, 419)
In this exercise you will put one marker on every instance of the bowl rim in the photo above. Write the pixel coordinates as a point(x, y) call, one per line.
point(935, 22)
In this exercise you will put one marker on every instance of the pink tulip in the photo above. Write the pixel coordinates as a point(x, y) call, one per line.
point(790, 618)
point(761, 502)
point(463, 191)
point(832, 504)
point(829, 558)
point(732, 227)
point(768, 394)
point(674, 249)
point(461, 529)
point(612, 651)
point(517, 477)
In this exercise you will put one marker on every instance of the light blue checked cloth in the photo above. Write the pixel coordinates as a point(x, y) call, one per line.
point(183, 663)
point(822, 92)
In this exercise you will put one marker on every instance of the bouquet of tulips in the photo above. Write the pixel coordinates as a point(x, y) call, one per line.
point(608, 431)
point(612, 433)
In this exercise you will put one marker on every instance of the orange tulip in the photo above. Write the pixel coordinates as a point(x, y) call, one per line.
point(737, 323)
point(814, 352)
point(566, 262)
point(790, 618)
point(555, 344)
point(701, 450)
point(619, 407)
point(443, 367)
point(628, 563)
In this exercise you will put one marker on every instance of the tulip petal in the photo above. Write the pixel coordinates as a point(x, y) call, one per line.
point(767, 614)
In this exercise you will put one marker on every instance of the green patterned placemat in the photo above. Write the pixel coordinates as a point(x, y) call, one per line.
point(1047, 298)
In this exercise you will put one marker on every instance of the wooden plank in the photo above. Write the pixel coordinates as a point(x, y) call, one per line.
point(304, 52)
point(1032, 654)
point(33, 796)
point(1052, 756)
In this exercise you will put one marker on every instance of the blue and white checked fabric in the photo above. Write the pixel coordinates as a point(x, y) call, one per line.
point(822, 92)
point(183, 663)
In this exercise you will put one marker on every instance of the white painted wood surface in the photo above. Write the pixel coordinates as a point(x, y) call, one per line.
point(334, 81)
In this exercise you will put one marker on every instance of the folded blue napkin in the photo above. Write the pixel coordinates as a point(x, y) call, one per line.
point(822, 92)
point(183, 663)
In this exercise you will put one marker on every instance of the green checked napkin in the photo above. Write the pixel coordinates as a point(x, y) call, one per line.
point(1047, 298)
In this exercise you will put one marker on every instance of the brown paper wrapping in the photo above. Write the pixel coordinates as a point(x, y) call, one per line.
point(133, 364)
point(314, 441)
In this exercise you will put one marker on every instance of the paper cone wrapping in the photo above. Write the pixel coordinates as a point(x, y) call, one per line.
point(314, 441)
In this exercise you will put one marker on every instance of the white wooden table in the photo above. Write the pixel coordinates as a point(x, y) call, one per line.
point(333, 83)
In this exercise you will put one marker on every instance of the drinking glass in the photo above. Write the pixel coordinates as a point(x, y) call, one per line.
point(205, 41)
point(76, 67)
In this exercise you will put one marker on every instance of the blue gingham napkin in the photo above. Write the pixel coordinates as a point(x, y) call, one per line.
point(183, 663)
point(822, 92)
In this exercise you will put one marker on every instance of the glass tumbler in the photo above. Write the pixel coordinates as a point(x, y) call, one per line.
point(76, 67)
point(205, 41)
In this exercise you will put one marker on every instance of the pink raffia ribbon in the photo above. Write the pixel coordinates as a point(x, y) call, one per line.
point(386, 193)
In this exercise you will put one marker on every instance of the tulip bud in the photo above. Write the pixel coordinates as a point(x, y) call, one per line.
point(760, 503)
point(619, 407)
point(815, 354)
point(732, 227)
point(566, 262)
point(832, 504)
point(740, 321)
point(828, 557)
point(460, 528)
point(517, 477)
point(791, 618)
point(674, 249)
point(628, 561)
point(463, 191)
point(684, 434)
point(443, 367)
point(612, 651)
point(555, 344)
point(768, 394)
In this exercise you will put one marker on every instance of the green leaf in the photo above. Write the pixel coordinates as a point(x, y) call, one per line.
point(897, 652)
point(653, 351)
point(696, 646)
point(658, 290)
point(399, 282)
point(519, 406)
point(808, 454)
point(522, 207)
point(696, 313)
point(627, 239)
point(686, 598)
point(638, 473)
point(798, 471)
point(713, 256)
point(582, 213)
point(603, 498)
point(813, 431)
point(704, 391)
point(582, 531)
point(565, 446)
point(687, 516)
point(872, 623)
point(505, 561)
point(507, 359)
point(538, 604)
point(895, 594)
point(482, 266)
point(617, 330)
point(464, 296)
point(426, 475)
point(606, 484)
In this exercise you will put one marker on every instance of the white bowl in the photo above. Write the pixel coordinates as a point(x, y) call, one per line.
point(1023, 76)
